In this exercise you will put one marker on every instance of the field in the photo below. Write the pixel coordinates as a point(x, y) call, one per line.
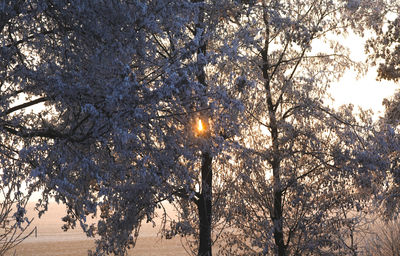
point(51, 240)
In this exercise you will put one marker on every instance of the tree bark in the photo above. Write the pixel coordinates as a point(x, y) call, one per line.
point(276, 213)
point(204, 206)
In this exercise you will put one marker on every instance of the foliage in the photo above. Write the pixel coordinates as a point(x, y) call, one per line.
point(384, 46)
point(99, 99)
point(298, 171)
point(120, 92)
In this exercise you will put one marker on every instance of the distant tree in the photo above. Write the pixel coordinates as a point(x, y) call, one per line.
point(15, 226)
point(384, 240)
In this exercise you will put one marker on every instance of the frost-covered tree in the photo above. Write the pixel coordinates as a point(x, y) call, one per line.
point(119, 86)
point(97, 71)
point(384, 51)
point(201, 202)
point(384, 46)
point(14, 224)
point(295, 192)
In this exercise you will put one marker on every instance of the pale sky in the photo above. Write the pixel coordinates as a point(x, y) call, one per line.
point(366, 92)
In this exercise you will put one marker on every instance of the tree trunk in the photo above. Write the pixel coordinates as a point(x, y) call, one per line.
point(204, 205)
point(276, 213)
point(277, 218)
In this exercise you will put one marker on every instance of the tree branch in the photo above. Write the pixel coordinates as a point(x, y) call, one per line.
point(24, 105)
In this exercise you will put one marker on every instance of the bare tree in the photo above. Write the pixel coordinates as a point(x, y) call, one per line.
point(384, 239)
point(15, 226)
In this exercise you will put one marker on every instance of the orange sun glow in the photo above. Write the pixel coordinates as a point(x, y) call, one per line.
point(200, 126)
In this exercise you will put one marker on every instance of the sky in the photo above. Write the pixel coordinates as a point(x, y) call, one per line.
point(365, 91)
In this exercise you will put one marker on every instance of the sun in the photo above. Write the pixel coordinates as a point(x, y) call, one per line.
point(200, 126)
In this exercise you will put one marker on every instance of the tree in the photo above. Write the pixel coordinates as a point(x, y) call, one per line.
point(384, 49)
point(385, 239)
point(296, 177)
point(98, 114)
point(384, 46)
point(118, 94)
point(196, 202)
point(15, 226)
